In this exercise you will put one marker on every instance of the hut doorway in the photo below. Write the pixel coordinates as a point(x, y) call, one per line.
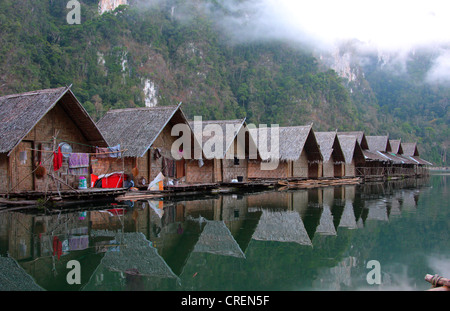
point(179, 167)
point(338, 170)
point(24, 165)
point(313, 170)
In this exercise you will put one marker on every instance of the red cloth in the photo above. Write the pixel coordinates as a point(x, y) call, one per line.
point(55, 245)
point(57, 159)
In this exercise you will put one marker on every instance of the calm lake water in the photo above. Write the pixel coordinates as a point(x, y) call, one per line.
point(316, 239)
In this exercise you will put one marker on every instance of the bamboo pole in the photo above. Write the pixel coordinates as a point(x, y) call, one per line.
point(438, 282)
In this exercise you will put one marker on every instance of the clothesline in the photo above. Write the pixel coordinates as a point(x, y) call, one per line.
point(90, 153)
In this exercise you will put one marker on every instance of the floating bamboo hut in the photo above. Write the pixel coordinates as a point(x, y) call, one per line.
point(145, 136)
point(47, 137)
point(411, 152)
point(229, 159)
point(353, 153)
point(298, 156)
point(332, 154)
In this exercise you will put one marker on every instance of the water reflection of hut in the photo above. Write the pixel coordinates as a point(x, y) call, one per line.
point(348, 219)
point(326, 224)
point(308, 203)
point(135, 253)
point(209, 208)
point(14, 278)
point(281, 226)
point(409, 200)
point(377, 210)
point(217, 239)
point(272, 200)
point(395, 208)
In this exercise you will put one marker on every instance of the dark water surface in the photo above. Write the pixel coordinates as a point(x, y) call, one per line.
point(316, 239)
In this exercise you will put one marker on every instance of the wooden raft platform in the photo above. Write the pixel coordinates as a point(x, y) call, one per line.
point(171, 191)
point(315, 183)
point(54, 195)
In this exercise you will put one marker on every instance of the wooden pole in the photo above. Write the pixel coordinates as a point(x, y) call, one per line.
point(439, 283)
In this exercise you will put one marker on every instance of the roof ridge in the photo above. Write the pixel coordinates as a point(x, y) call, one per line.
point(36, 92)
point(142, 108)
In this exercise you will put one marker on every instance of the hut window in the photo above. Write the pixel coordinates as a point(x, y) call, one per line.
point(236, 161)
point(23, 157)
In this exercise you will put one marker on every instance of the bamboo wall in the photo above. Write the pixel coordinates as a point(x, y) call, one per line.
point(328, 168)
point(350, 170)
point(231, 171)
point(4, 160)
point(196, 174)
point(300, 167)
point(254, 170)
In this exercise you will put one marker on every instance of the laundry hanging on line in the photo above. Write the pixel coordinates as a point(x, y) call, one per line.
point(79, 164)
point(108, 152)
point(57, 159)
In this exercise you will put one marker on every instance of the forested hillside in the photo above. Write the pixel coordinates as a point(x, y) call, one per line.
point(175, 51)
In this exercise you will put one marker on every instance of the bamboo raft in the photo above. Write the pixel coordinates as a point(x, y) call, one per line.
point(178, 190)
point(313, 183)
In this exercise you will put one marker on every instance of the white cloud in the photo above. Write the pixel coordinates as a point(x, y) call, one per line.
point(384, 24)
point(440, 71)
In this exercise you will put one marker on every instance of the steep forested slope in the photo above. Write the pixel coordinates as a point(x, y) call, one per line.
point(175, 51)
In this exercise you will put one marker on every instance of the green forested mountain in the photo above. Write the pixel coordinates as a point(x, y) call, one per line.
point(166, 52)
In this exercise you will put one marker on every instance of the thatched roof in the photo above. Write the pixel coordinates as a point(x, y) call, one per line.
point(370, 155)
point(230, 129)
point(397, 158)
point(410, 149)
point(411, 152)
point(329, 145)
point(136, 129)
point(350, 148)
point(360, 136)
point(19, 113)
point(292, 141)
point(379, 143)
point(396, 146)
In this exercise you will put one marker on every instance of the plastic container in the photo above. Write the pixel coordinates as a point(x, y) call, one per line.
point(94, 178)
point(82, 183)
point(113, 181)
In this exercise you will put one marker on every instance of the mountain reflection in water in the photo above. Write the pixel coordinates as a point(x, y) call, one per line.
point(315, 239)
